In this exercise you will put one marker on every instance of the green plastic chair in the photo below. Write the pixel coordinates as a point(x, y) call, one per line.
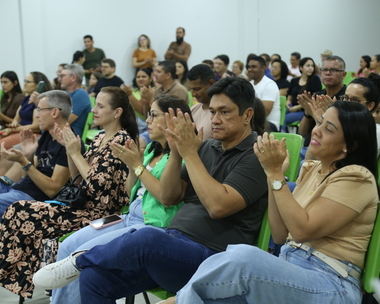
point(372, 263)
point(293, 145)
point(282, 109)
point(348, 78)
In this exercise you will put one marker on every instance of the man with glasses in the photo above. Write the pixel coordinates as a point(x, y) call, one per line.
point(109, 78)
point(71, 79)
point(44, 161)
point(199, 79)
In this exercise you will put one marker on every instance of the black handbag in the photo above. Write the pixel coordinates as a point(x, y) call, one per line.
point(73, 195)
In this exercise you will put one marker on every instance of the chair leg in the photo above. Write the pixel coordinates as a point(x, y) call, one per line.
point(21, 300)
point(146, 297)
point(130, 300)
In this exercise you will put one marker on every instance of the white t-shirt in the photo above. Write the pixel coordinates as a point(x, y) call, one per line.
point(378, 138)
point(295, 71)
point(267, 89)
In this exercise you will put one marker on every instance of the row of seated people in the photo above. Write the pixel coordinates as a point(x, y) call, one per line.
point(221, 130)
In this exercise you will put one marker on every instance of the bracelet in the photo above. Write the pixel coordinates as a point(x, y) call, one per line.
point(307, 116)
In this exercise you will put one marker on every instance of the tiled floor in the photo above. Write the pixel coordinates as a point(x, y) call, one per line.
point(6, 297)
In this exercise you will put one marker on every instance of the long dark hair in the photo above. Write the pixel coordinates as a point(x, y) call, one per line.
point(37, 77)
point(119, 99)
point(360, 140)
point(165, 102)
point(12, 76)
point(302, 63)
point(367, 60)
point(147, 71)
point(186, 70)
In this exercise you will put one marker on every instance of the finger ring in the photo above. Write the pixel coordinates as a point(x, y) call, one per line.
point(121, 152)
point(262, 151)
point(182, 134)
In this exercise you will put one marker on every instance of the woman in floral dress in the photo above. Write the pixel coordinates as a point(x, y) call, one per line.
point(27, 225)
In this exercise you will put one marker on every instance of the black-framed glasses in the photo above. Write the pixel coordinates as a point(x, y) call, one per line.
point(51, 108)
point(353, 98)
point(64, 75)
point(152, 115)
point(331, 71)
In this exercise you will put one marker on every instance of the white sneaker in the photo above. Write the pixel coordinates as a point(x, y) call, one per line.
point(57, 275)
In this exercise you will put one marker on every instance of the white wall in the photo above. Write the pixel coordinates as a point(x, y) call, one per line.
point(40, 34)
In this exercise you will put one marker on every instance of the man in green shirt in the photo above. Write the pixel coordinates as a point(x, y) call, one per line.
point(93, 56)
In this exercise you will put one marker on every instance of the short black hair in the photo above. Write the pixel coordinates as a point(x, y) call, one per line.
point(202, 72)
point(224, 58)
point(377, 57)
point(371, 91)
point(88, 36)
point(296, 54)
point(259, 59)
point(110, 62)
point(169, 67)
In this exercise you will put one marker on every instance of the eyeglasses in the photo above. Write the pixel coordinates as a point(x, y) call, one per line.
point(51, 108)
point(152, 115)
point(331, 71)
point(64, 75)
point(28, 81)
point(353, 99)
point(142, 39)
point(105, 66)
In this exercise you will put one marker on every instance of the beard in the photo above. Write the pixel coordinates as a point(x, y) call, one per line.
point(179, 40)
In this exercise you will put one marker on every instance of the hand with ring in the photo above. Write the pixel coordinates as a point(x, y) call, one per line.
point(271, 153)
point(128, 154)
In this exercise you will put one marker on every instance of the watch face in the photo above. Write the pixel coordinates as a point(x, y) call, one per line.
point(138, 171)
point(277, 185)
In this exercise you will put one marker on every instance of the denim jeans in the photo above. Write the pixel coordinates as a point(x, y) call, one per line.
point(246, 274)
point(136, 261)
point(8, 196)
point(87, 238)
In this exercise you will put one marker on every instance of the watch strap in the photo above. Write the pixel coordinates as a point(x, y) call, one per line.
point(27, 166)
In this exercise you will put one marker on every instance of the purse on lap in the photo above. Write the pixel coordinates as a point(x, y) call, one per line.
point(73, 195)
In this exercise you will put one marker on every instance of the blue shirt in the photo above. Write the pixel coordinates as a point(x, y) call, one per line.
point(81, 108)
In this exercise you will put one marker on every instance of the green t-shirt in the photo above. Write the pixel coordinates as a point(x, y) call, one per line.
point(93, 59)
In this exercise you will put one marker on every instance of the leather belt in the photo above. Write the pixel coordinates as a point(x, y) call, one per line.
point(335, 264)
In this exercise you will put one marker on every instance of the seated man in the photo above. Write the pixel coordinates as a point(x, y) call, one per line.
point(44, 161)
point(206, 224)
point(109, 79)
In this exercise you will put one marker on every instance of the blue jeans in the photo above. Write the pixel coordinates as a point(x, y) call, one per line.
point(291, 117)
point(136, 261)
point(246, 274)
point(8, 196)
point(87, 238)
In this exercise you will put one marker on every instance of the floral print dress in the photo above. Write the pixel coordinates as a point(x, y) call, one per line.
point(26, 225)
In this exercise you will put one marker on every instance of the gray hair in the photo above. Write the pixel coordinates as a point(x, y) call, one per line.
point(340, 59)
point(58, 99)
point(77, 70)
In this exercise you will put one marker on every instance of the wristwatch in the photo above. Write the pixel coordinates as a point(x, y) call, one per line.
point(27, 166)
point(139, 170)
point(277, 184)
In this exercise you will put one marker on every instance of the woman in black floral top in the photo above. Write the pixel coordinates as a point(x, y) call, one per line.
point(27, 225)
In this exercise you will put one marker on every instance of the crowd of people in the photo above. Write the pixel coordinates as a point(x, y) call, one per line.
point(188, 152)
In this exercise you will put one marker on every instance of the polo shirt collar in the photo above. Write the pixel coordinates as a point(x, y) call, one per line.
point(246, 143)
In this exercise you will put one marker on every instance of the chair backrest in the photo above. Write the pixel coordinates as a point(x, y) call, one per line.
point(92, 100)
point(282, 109)
point(89, 120)
point(264, 235)
point(293, 145)
point(372, 262)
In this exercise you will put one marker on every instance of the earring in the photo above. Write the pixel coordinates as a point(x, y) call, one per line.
point(345, 151)
point(115, 117)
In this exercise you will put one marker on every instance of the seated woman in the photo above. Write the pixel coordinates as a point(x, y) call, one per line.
point(280, 71)
point(327, 222)
point(237, 68)
point(309, 81)
point(181, 72)
point(56, 83)
point(26, 224)
point(25, 117)
point(95, 76)
point(144, 190)
point(11, 99)
point(144, 56)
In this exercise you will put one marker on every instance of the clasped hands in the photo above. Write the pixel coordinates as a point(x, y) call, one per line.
point(29, 145)
point(67, 138)
point(128, 154)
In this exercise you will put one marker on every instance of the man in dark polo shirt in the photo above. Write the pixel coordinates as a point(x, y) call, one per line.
point(45, 161)
point(225, 192)
point(109, 78)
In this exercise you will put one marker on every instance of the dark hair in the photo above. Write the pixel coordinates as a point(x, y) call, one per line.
point(377, 57)
point(224, 58)
point(240, 91)
point(301, 64)
point(168, 66)
point(340, 59)
point(147, 38)
point(361, 140)
point(208, 62)
point(249, 57)
point(184, 76)
point(296, 54)
point(284, 68)
point(278, 55)
point(182, 29)
point(110, 62)
point(371, 92)
point(367, 60)
point(259, 59)
point(165, 102)
point(88, 36)
point(77, 55)
point(119, 99)
point(266, 57)
point(63, 65)
point(202, 72)
point(37, 77)
point(148, 71)
point(12, 76)
point(259, 116)
point(97, 75)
